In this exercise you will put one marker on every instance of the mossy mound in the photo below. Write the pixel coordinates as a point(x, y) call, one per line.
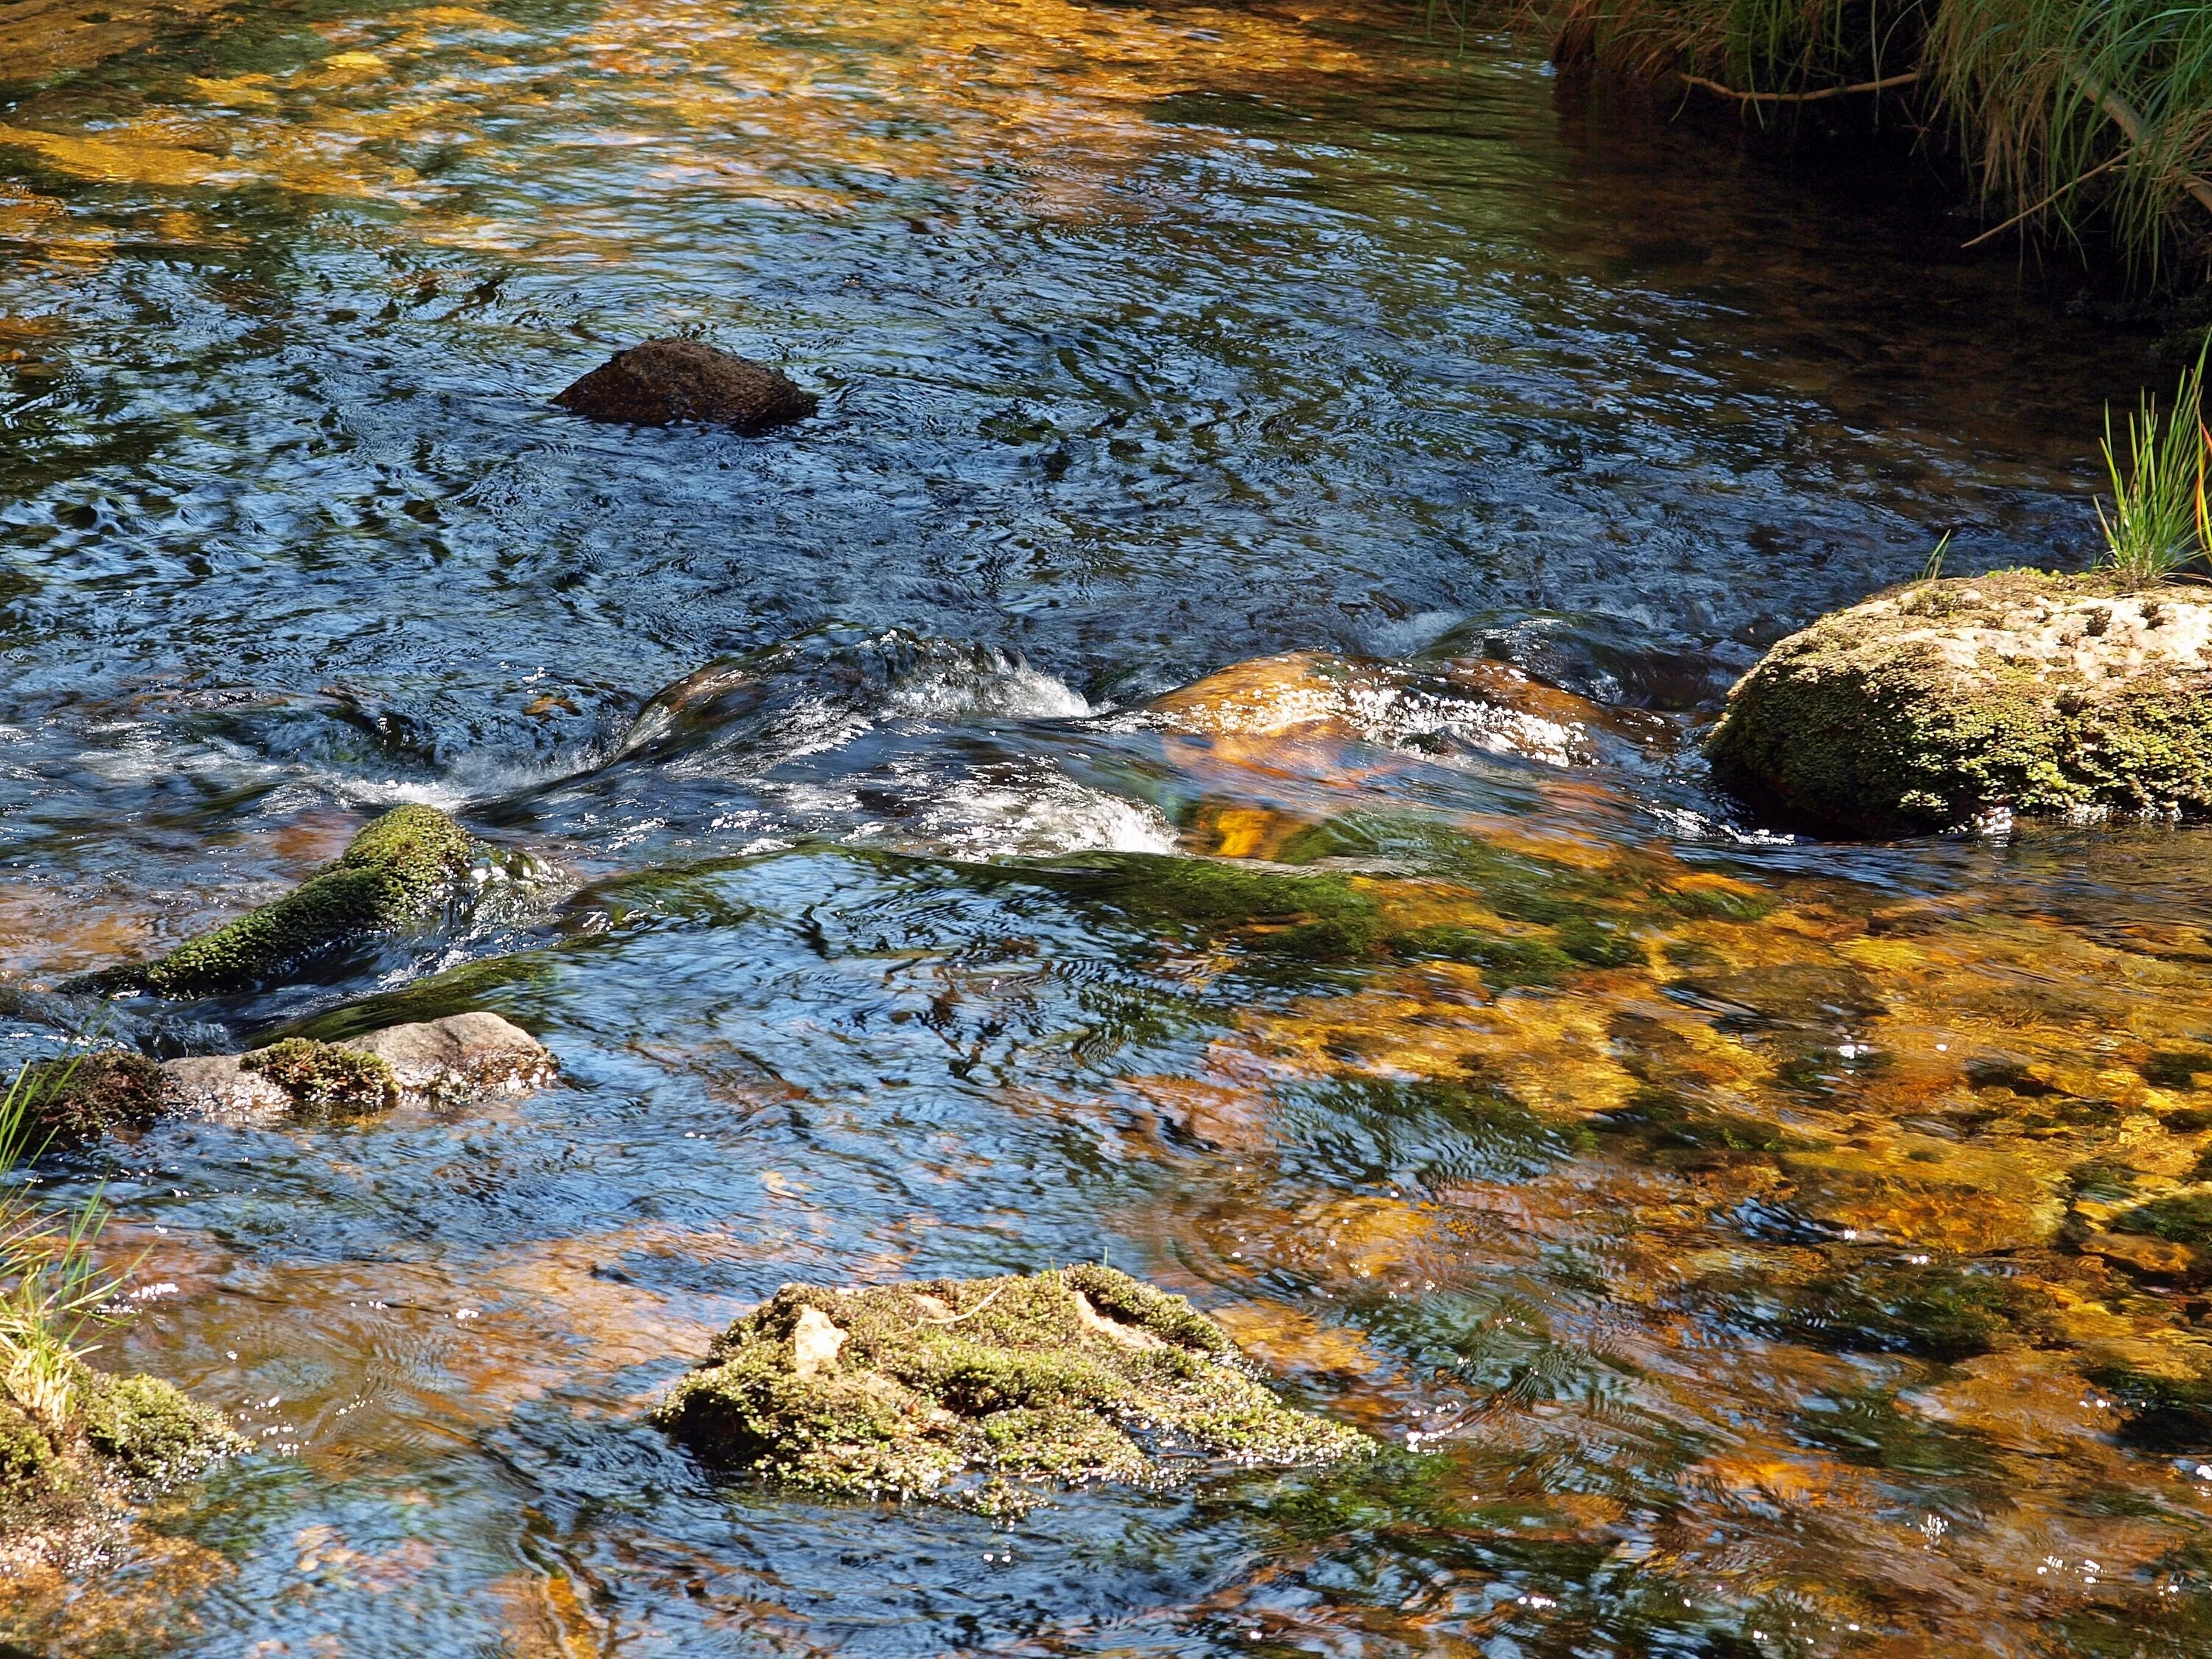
point(329, 1075)
point(87, 1096)
point(984, 1392)
point(122, 1430)
point(1937, 704)
point(399, 872)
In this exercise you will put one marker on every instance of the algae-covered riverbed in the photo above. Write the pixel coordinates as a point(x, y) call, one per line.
point(1186, 761)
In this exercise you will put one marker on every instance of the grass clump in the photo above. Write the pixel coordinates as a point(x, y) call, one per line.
point(2159, 521)
point(327, 1074)
point(984, 1393)
point(399, 872)
point(2074, 115)
point(69, 1434)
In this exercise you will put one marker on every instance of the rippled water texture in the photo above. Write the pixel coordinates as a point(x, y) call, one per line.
point(1745, 1246)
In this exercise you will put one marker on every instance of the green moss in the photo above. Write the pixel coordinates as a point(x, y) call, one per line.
point(87, 1096)
point(326, 1075)
point(1939, 1313)
point(399, 872)
point(150, 1428)
point(980, 1392)
point(1313, 918)
point(2184, 1220)
point(1505, 958)
point(1861, 723)
point(28, 1463)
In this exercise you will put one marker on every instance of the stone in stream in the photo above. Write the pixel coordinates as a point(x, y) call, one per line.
point(399, 871)
point(1943, 703)
point(1318, 694)
point(664, 381)
point(984, 1393)
point(432, 1062)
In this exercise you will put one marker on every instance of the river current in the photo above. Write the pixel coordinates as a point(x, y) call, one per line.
point(1270, 438)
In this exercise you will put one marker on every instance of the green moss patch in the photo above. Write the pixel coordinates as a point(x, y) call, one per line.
point(91, 1095)
point(326, 1074)
point(984, 1393)
point(149, 1429)
point(1313, 918)
point(399, 872)
point(1928, 707)
point(122, 1433)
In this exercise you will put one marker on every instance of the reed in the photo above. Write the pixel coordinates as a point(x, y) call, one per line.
point(2074, 115)
point(2159, 522)
point(51, 1290)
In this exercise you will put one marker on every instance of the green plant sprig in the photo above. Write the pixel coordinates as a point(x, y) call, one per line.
point(2159, 522)
point(51, 1290)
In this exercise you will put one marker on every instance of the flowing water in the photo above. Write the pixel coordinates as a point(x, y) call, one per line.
point(1742, 1245)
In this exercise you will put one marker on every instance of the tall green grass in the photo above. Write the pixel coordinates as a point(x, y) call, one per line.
point(51, 1291)
point(2159, 521)
point(2074, 114)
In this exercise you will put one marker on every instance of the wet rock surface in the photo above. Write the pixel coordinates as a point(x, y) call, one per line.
point(431, 1062)
point(1941, 702)
point(664, 381)
point(400, 871)
point(984, 1393)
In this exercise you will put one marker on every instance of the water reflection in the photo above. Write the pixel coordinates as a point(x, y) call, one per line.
point(1746, 1245)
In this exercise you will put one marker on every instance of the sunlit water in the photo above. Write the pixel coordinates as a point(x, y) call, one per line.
point(1747, 1257)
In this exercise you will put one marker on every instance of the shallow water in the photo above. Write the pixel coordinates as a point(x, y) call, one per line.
point(1745, 1245)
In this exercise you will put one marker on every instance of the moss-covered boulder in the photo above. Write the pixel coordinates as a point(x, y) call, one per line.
point(434, 1062)
point(115, 1435)
point(984, 1393)
point(1940, 703)
point(400, 871)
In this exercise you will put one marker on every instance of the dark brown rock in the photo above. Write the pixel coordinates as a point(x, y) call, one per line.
point(668, 380)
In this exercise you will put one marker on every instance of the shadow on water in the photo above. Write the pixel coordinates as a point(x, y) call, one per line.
point(1188, 759)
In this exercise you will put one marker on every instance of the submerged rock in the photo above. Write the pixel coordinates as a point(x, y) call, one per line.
point(1943, 703)
point(399, 871)
point(431, 1062)
point(982, 1392)
point(668, 380)
point(1305, 694)
point(1917, 1189)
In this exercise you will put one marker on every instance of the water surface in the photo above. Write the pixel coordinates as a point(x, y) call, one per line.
point(1744, 1245)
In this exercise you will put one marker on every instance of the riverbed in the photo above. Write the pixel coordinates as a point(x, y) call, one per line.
point(1280, 439)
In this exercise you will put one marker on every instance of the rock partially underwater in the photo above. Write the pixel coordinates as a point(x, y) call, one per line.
point(984, 1393)
point(433, 1062)
point(1470, 702)
point(1937, 704)
point(75, 1462)
point(400, 871)
point(665, 381)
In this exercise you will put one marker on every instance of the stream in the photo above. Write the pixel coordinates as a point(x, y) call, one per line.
point(1269, 438)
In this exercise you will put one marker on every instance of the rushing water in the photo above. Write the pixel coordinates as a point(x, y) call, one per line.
point(1741, 1242)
